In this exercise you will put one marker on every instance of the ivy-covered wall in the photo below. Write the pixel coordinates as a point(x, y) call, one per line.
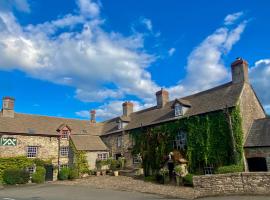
point(212, 139)
point(79, 159)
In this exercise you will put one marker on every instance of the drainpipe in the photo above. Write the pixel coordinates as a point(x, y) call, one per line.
point(58, 159)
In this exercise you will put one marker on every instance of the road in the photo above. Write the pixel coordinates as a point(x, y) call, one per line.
point(64, 192)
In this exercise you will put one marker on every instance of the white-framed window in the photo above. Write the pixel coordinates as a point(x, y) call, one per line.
point(31, 169)
point(63, 166)
point(64, 151)
point(208, 170)
point(64, 134)
point(119, 141)
point(178, 110)
point(32, 151)
point(136, 159)
point(102, 156)
point(180, 141)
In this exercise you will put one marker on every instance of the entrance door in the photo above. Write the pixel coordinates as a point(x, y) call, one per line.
point(257, 164)
point(49, 173)
point(117, 155)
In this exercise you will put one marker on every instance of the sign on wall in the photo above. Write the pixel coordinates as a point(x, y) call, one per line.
point(8, 141)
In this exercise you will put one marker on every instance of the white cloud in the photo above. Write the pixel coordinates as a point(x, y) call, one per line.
point(86, 58)
point(232, 18)
point(112, 109)
point(171, 51)
point(260, 79)
point(205, 67)
point(147, 23)
point(21, 5)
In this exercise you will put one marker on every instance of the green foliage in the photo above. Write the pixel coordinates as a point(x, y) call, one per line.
point(114, 164)
point(15, 176)
point(208, 141)
point(20, 162)
point(188, 180)
point(41, 163)
point(98, 164)
point(230, 169)
point(81, 163)
point(73, 174)
point(64, 173)
point(150, 178)
point(39, 175)
point(178, 170)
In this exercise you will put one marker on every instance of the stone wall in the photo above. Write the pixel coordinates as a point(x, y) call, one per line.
point(235, 183)
point(125, 149)
point(250, 108)
point(47, 147)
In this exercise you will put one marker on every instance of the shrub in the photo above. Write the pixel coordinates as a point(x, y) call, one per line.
point(152, 178)
point(188, 180)
point(15, 176)
point(114, 164)
point(64, 173)
point(73, 173)
point(39, 175)
point(20, 162)
point(230, 169)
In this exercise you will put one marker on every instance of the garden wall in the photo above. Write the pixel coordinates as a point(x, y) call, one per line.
point(234, 183)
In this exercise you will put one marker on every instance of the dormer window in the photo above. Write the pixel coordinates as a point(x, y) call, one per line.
point(178, 110)
point(64, 134)
point(122, 124)
point(64, 131)
point(180, 107)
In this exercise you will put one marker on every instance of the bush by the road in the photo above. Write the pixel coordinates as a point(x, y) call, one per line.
point(15, 176)
point(230, 169)
point(39, 175)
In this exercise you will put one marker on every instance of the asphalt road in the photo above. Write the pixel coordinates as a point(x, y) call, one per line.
point(63, 192)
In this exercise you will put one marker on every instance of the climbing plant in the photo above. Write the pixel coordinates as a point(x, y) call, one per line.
point(209, 141)
point(80, 161)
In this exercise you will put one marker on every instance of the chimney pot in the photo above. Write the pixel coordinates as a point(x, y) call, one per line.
point(8, 107)
point(127, 108)
point(162, 97)
point(92, 116)
point(239, 70)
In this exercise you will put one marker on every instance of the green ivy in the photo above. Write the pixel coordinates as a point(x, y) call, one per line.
point(209, 141)
point(20, 162)
point(80, 161)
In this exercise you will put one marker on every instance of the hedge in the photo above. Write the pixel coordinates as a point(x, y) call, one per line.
point(39, 175)
point(15, 176)
point(230, 169)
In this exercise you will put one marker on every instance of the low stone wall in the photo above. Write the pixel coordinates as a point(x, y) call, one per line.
point(234, 183)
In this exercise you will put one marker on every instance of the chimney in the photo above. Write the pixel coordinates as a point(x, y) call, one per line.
point(92, 116)
point(239, 71)
point(8, 107)
point(127, 108)
point(162, 97)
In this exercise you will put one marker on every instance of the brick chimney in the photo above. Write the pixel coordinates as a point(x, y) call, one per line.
point(162, 97)
point(239, 71)
point(127, 108)
point(92, 116)
point(8, 107)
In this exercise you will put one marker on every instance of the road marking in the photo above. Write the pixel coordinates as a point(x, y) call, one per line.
point(6, 198)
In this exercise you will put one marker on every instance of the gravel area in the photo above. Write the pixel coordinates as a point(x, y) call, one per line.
point(129, 184)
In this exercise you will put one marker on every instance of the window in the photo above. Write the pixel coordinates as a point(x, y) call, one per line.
point(64, 134)
point(31, 169)
point(180, 141)
point(119, 124)
point(102, 156)
point(119, 141)
point(208, 170)
point(136, 159)
point(178, 110)
point(64, 151)
point(32, 151)
point(63, 166)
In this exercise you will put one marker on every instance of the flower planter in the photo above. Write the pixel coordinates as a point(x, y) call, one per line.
point(115, 173)
point(179, 180)
point(103, 173)
point(166, 179)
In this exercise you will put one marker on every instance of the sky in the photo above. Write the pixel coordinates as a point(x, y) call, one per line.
point(64, 58)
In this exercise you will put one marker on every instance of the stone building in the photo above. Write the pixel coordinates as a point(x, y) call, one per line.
point(51, 135)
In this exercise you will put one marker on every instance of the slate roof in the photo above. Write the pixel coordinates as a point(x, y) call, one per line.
point(88, 143)
point(44, 125)
point(214, 99)
point(259, 134)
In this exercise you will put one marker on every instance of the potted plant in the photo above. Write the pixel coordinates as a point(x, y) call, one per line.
point(164, 172)
point(122, 161)
point(98, 166)
point(113, 167)
point(178, 172)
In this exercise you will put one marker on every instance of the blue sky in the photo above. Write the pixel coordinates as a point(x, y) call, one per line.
point(64, 58)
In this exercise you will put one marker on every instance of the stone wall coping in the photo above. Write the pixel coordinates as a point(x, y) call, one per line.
point(235, 174)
